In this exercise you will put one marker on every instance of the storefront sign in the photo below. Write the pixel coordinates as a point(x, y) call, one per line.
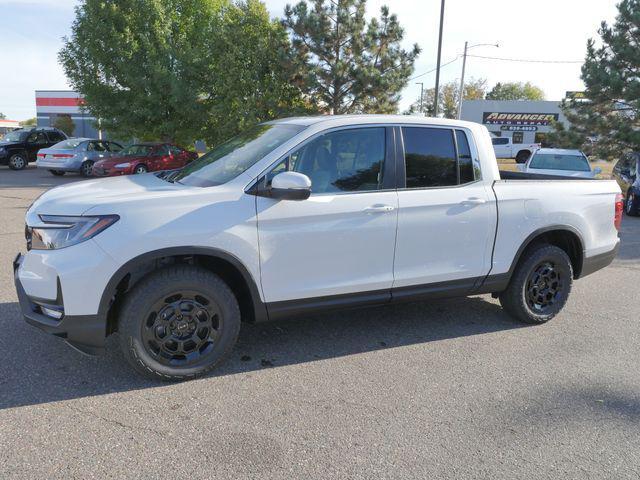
point(499, 118)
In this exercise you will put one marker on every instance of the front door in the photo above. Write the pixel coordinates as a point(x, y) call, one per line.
point(341, 239)
point(447, 218)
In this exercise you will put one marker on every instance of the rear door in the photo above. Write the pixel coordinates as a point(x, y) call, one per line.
point(501, 147)
point(341, 239)
point(447, 216)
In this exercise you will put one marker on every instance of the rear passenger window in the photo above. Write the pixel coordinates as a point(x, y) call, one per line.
point(430, 157)
point(465, 162)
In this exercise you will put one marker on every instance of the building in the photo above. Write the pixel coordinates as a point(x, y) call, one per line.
point(8, 125)
point(526, 121)
point(51, 104)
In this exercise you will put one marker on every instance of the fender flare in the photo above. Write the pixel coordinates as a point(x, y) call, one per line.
point(498, 282)
point(260, 311)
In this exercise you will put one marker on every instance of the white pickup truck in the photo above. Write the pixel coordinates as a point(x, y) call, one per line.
point(304, 215)
point(503, 147)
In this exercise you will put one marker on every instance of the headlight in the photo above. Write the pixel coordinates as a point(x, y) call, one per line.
point(63, 231)
point(2, 150)
point(123, 165)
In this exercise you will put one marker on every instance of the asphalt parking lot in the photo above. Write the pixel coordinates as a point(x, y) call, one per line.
point(446, 389)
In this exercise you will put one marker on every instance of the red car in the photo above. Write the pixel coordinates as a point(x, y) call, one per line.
point(142, 158)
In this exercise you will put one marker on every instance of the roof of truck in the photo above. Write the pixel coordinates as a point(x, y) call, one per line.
point(338, 120)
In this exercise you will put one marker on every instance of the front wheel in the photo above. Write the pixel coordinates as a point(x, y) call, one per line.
point(57, 173)
point(140, 169)
point(178, 323)
point(540, 285)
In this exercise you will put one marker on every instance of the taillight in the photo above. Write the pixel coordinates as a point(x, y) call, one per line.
point(617, 219)
point(62, 155)
point(42, 155)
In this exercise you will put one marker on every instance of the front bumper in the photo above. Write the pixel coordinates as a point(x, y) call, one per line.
point(86, 333)
point(99, 171)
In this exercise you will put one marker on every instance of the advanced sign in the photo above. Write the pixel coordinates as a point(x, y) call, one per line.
point(499, 118)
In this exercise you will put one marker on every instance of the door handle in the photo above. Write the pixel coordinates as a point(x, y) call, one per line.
point(473, 201)
point(379, 209)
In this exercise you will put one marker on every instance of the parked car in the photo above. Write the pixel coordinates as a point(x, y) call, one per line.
point(304, 215)
point(143, 158)
point(625, 172)
point(76, 155)
point(560, 162)
point(20, 147)
point(504, 147)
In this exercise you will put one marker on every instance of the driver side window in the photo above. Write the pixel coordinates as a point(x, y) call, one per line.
point(342, 161)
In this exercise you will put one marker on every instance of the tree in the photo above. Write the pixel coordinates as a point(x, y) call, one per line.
point(515, 91)
point(609, 113)
point(64, 123)
point(178, 70)
point(474, 89)
point(29, 122)
point(346, 64)
point(2, 116)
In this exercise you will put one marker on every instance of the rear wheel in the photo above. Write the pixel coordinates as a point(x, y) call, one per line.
point(178, 323)
point(141, 169)
point(17, 161)
point(57, 173)
point(86, 169)
point(631, 205)
point(522, 156)
point(540, 284)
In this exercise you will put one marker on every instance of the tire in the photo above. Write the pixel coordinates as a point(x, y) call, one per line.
point(631, 205)
point(157, 324)
point(17, 161)
point(86, 169)
point(57, 173)
point(141, 168)
point(522, 156)
point(539, 286)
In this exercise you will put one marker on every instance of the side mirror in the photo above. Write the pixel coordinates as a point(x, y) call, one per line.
point(597, 171)
point(290, 186)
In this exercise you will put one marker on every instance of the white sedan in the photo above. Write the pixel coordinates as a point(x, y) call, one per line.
point(560, 162)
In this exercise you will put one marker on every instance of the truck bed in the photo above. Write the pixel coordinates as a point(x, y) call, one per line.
point(511, 175)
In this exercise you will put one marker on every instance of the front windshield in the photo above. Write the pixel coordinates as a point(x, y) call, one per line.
point(136, 151)
point(233, 157)
point(68, 144)
point(551, 161)
point(17, 136)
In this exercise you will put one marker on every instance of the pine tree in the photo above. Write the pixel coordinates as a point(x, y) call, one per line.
point(609, 112)
point(346, 64)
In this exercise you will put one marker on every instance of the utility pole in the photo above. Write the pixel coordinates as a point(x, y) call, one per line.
point(435, 102)
point(464, 64)
point(421, 95)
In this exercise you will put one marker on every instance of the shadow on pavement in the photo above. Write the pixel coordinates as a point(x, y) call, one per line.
point(38, 368)
point(31, 177)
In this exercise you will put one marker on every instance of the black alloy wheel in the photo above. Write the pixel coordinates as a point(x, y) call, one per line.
point(544, 287)
point(181, 329)
point(178, 323)
point(540, 284)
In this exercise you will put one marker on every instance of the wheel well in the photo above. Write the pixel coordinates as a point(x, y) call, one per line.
point(225, 269)
point(567, 241)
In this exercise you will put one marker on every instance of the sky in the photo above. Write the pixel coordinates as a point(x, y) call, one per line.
point(550, 30)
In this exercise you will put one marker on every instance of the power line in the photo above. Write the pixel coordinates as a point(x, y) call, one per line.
point(522, 60)
point(434, 69)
